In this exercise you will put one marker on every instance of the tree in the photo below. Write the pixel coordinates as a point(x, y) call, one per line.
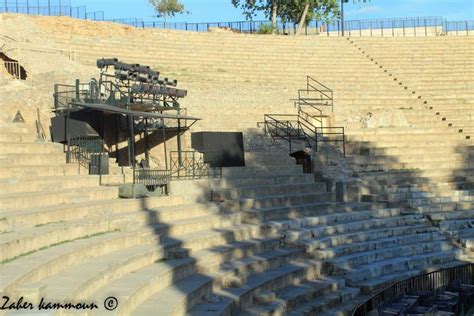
point(296, 11)
point(168, 8)
point(269, 7)
point(300, 12)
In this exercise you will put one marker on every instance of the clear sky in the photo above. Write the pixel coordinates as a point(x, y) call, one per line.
point(222, 10)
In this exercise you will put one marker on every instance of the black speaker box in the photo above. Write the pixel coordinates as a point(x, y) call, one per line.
point(220, 149)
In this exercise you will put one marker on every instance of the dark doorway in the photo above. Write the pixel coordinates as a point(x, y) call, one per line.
point(304, 159)
point(13, 67)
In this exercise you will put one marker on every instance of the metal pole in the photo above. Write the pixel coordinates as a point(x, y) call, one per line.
point(147, 156)
point(132, 143)
point(180, 161)
point(66, 125)
point(194, 160)
point(342, 16)
point(164, 142)
point(49, 7)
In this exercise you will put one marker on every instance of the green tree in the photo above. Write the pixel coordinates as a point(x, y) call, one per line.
point(168, 8)
point(300, 12)
point(251, 7)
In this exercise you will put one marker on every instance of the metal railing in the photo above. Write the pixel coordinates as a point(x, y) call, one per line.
point(428, 282)
point(81, 149)
point(409, 26)
point(151, 177)
point(191, 165)
point(64, 95)
point(13, 68)
point(304, 125)
point(291, 127)
point(50, 8)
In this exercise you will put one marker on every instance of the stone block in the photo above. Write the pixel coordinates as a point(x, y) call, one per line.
point(264, 297)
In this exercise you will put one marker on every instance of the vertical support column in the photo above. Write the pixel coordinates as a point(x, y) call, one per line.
point(164, 143)
point(77, 90)
point(132, 145)
point(342, 16)
point(180, 158)
point(147, 145)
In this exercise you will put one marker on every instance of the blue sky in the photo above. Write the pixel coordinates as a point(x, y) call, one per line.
point(222, 10)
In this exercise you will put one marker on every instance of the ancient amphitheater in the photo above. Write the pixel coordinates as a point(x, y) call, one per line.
point(264, 239)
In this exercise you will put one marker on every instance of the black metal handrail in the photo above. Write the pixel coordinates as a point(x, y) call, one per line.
point(288, 129)
point(151, 177)
point(81, 150)
point(427, 282)
point(191, 165)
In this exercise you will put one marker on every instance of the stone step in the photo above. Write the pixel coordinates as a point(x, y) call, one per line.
point(277, 213)
point(319, 231)
point(133, 289)
point(33, 148)
point(41, 216)
point(26, 160)
point(413, 166)
point(249, 182)
point(15, 128)
point(331, 219)
point(399, 264)
point(238, 172)
point(94, 273)
point(452, 215)
point(298, 294)
point(338, 301)
point(22, 242)
point(381, 282)
point(288, 200)
point(209, 259)
point(380, 159)
point(59, 170)
point(242, 298)
point(433, 175)
point(19, 136)
point(383, 243)
point(50, 261)
point(47, 184)
point(456, 225)
point(277, 189)
point(179, 298)
point(395, 149)
point(340, 238)
point(445, 207)
point(372, 257)
point(20, 201)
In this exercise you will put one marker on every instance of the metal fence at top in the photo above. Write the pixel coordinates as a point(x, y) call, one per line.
point(49, 8)
point(415, 26)
point(408, 26)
